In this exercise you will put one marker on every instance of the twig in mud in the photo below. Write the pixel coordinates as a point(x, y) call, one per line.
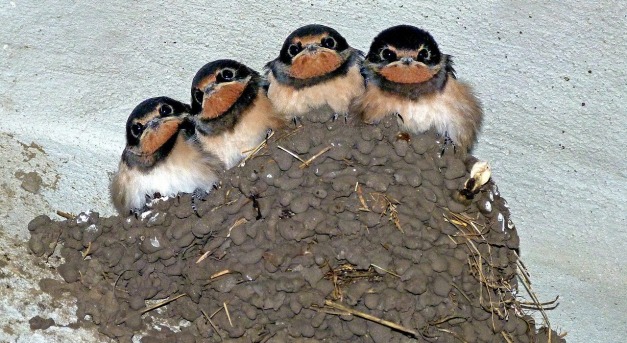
point(390, 209)
point(507, 337)
point(452, 334)
point(255, 150)
point(203, 256)
point(228, 315)
point(308, 162)
point(163, 303)
point(385, 270)
point(524, 277)
point(372, 318)
point(291, 153)
point(215, 328)
point(220, 273)
point(66, 215)
point(360, 195)
point(236, 224)
point(86, 252)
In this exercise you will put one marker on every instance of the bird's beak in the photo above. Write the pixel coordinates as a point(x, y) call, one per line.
point(407, 60)
point(209, 89)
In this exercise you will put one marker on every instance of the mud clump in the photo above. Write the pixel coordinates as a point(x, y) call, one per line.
point(364, 233)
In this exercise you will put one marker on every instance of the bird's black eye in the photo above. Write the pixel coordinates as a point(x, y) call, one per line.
point(294, 49)
point(165, 110)
point(137, 129)
point(388, 55)
point(226, 75)
point(198, 95)
point(328, 42)
point(423, 55)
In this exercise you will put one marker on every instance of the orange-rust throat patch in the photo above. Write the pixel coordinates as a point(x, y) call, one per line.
point(307, 66)
point(407, 74)
point(155, 139)
point(221, 100)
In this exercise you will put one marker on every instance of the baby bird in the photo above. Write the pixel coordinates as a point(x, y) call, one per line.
point(407, 75)
point(231, 110)
point(160, 156)
point(316, 71)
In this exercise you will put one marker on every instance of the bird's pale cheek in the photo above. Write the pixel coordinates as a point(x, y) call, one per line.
point(221, 100)
point(407, 74)
point(154, 139)
point(307, 66)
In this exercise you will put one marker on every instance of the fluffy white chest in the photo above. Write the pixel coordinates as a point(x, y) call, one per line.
point(168, 179)
point(336, 93)
point(419, 116)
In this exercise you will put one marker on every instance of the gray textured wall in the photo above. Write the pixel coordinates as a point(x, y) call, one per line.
point(551, 75)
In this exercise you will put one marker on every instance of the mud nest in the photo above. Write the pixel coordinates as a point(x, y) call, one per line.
point(355, 238)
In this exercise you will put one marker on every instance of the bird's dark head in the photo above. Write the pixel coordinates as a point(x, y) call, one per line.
point(314, 50)
point(151, 130)
point(223, 86)
point(405, 54)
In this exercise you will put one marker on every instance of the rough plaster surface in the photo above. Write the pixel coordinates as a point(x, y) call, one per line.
point(551, 76)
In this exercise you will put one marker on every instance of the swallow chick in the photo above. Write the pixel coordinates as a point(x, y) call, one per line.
point(316, 70)
point(406, 74)
point(231, 110)
point(161, 157)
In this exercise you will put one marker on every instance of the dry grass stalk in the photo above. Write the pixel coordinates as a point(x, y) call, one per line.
point(523, 275)
point(228, 315)
point(492, 285)
point(308, 162)
point(66, 215)
point(385, 270)
point(87, 251)
point(346, 274)
point(390, 208)
point(236, 224)
point(291, 153)
point(255, 150)
point(371, 318)
point(215, 328)
point(471, 231)
point(163, 303)
point(203, 256)
point(360, 195)
point(220, 273)
point(507, 337)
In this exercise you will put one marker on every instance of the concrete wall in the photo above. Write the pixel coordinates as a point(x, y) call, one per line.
point(551, 76)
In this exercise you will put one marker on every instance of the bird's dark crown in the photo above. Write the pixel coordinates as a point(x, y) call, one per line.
point(404, 37)
point(311, 30)
point(162, 106)
point(240, 70)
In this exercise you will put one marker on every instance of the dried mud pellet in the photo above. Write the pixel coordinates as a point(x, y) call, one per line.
point(286, 183)
point(480, 314)
point(455, 169)
point(300, 204)
point(379, 333)
point(378, 182)
point(401, 147)
point(284, 161)
point(68, 272)
point(441, 286)
point(39, 222)
point(238, 236)
point(421, 144)
point(357, 327)
point(372, 133)
point(361, 159)
point(224, 284)
point(365, 147)
point(434, 177)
